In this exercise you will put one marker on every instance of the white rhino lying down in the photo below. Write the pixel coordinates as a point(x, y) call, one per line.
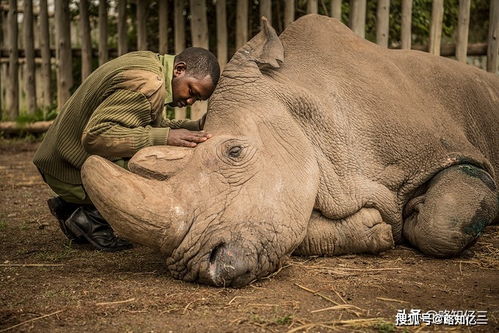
point(324, 144)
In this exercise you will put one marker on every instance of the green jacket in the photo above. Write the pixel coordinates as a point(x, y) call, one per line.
point(115, 112)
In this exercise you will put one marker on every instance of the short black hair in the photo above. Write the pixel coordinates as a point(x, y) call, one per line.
point(199, 63)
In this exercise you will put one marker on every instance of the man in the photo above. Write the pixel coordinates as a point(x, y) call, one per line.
point(114, 113)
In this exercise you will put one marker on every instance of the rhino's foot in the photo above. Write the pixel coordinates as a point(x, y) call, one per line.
point(458, 204)
point(362, 232)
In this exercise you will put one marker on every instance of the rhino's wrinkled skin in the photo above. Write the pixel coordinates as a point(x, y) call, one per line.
point(323, 143)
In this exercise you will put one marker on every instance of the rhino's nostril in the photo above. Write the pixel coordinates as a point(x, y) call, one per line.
point(214, 252)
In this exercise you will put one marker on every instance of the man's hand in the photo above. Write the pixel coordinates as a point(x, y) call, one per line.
point(185, 138)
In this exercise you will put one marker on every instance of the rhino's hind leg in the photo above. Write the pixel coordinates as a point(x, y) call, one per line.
point(362, 232)
point(458, 204)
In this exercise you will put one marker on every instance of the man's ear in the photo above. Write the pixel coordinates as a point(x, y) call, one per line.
point(179, 69)
point(266, 48)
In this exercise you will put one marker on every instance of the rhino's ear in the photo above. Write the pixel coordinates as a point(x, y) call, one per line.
point(266, 48)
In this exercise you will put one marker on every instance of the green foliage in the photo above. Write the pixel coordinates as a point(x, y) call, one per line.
point(285, 320)
point(385, 327)
point(3, 225)
point(41, 114)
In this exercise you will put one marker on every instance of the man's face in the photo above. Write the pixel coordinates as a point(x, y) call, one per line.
point(187, 89)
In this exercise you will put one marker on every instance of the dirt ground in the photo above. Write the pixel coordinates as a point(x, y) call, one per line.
point(48, 285)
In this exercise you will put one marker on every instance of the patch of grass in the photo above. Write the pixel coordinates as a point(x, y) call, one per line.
point(385, 327)
point(286, 320)
point(66, 253)
point(3, 225)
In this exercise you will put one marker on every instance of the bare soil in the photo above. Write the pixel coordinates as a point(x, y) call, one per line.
point(48, 285)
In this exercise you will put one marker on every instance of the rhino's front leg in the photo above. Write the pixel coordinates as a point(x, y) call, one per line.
point(362, 232)
point(458, 204)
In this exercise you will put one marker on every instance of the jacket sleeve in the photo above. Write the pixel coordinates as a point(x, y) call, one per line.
point(192, 125)
point(119, 127)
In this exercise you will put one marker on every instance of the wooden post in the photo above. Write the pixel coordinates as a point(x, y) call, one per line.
point(86, 44)
point(266, 10)
point(103, 51)
point(122, 28)
point(289, 12)
point(405, 28)
point(382, 22)
point(141, 24)
point(493, 47)
point(312, 7)
point(29, 48)
point(63, 41)
point(336, 9)
point(241, 23)
point(163, 26)
point(13, 110)
point(462, 30)
point(437, 15)
point(199, 31)
point(221, 33)
point(358, 17)
point(45, 52)
point(180, 113)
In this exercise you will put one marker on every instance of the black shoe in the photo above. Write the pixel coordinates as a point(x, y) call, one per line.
point(87, 222)
point(62, 210)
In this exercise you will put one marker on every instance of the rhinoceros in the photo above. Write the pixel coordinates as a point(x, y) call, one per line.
point(323, 144)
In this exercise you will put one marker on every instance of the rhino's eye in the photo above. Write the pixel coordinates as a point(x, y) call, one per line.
point(235, 151)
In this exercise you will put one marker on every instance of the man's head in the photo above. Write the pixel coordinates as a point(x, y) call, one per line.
point(195, 75)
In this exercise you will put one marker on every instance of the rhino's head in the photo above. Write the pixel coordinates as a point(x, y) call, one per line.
point(228, 211)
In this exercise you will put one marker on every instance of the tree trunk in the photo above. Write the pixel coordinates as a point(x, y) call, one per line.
point(163, 26)
point(336, 9)
point(241, 23)
point(358, 17)
point(221, 33)
point(103, 51)
point(437, 15)
point(180, 113)
point(45, 52)
point(29, 48)
point(289, 12)
point(141, 24)
point(13, 61)
point(122, 28)
point(462, 30)
point(266, 10)
point(12, 127)
point(493, 47)
point(86, 44)
point(199, 30)
point(405, 28)
point(312, 7)
point(63, 41)
point(382, 22)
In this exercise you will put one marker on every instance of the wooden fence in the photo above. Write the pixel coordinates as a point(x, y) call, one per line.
point(51, 41)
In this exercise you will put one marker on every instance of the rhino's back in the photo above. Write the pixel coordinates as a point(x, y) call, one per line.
point(403, 115)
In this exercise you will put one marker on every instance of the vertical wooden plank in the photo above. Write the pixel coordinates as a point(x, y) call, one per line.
point(163, 26)
point(45, 52)
point(462, 30)
point(241, 23)
point(29, 48)
point(336, 9)
point(405, 28)
point(289, 12)
point(63, 42)
point(266, 10)
point(13, 110)
point(382, 22)
point(358, 17)
point(141, 24)
point(180, 113)
point(199, 31)
point(437, 15)
point(221, 32)
point(493, 47)
point(312, 7)
point(103, 50)
point(86, 43)
point(122, 28)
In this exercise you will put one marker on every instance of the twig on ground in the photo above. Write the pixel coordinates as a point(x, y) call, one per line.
point(31, 320)
point(391, 300)
point(31, 265)
point(336, 307)
point(117, 302)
